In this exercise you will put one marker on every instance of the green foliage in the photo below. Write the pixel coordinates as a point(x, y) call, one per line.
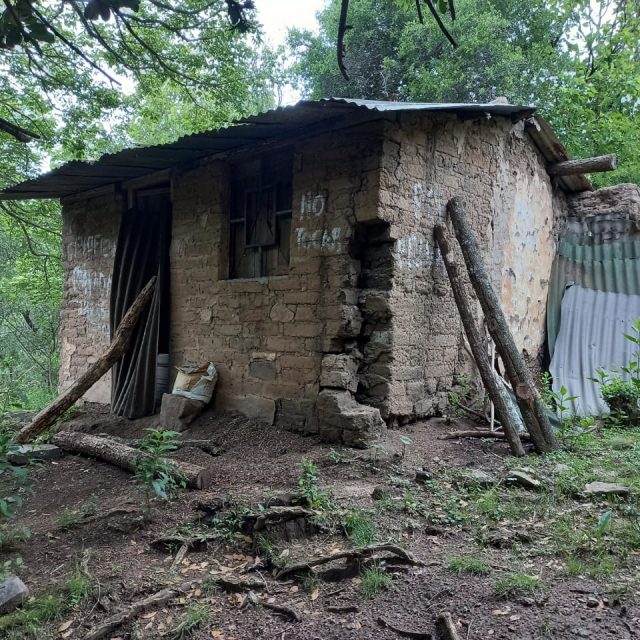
point(406, 442)
point(374, 581)
point(360, 527)
point(13, 536)
point(30, 619)
point(308, 491)
point(576, 60)
point(516, 584)
point(622, 394)
point(10, 567)
point(196, 616)
point(472, 565)
point(155, 474)
point(10, 476)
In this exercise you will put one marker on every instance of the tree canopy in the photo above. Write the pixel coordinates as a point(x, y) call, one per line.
point(578, 61)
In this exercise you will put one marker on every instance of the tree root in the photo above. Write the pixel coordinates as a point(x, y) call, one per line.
point(353, 554)
point(419, 635)
point(454, 435)
point(445, 628)
point(134, 610)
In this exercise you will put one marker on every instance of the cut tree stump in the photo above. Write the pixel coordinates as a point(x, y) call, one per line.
point(103, 364)
point(126, 457)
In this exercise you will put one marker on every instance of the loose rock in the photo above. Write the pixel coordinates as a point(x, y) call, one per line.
point(606, 489)
point(26, 453)
point(177, 413)
point(13, 592)
point(523, 479)
point(423, 475)
point(478, 478)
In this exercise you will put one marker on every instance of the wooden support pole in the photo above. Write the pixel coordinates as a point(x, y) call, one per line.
point(116, 349)
point(531, 406)
point(495, 389)
point(585, 165)
point(126, 457)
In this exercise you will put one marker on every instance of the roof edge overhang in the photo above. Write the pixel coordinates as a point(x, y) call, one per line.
point(305, 119)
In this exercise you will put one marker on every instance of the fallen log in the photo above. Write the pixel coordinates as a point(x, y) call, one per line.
point(531, 406)
point(352, 554)
point(598, 164)
point(445, 627)
point(125, 457)
point(131, 612)
point(507, 413)
point(485, 433)
point(103, 364)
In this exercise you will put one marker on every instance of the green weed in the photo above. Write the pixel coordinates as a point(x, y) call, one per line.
point(191, 620)
point(12, 536)
point(360, 527)
point(469, 564)
point(516, 584)
point(374, 581)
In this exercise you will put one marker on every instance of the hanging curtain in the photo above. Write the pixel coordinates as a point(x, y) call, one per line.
point(142, 252)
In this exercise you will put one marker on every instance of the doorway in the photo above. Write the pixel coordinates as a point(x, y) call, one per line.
point(141, 253)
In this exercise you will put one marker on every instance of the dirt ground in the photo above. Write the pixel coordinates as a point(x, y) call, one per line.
point(259, 462)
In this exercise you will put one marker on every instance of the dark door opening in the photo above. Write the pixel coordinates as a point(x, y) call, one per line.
point(142, 252)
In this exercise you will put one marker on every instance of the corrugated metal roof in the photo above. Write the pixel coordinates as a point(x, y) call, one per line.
point(76, 177)
point(592, 337)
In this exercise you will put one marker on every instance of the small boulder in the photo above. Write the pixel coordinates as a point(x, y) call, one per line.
point(523, 479)
point(26, 453)
point(606, 489)
point(478, 478)
point(423, 475)
point(177, 413)
point(13, 592)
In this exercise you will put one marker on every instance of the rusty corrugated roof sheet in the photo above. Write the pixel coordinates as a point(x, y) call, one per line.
point(76, 177)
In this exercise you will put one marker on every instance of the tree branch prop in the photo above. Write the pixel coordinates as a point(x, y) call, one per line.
point(116, 349)
point(531, 406)
point(19, 133)
point(498, 394)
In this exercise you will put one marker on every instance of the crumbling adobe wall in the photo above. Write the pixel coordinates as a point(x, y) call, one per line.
point(509, 197)
point(89, 237)
point(269, 336)
point(621, 200)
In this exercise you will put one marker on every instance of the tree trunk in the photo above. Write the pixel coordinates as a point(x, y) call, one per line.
point(116, 349)
point(126, 457)
point(496, 391)
point(586, 165)
point(531, 405)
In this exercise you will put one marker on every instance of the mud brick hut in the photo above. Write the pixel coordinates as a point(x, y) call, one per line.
point(295, 251)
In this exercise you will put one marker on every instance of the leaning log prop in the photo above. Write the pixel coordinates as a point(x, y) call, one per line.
point(498, 394)
point(529, 401)
point(103, 364)
point(127, 457)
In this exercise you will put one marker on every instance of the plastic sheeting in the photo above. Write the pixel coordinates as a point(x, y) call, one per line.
point(591, 337)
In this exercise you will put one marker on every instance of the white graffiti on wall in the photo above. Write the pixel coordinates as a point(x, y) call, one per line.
point(87, 247)
point(413, 252)
point(312, 205)
point(90, 288)
point(319, 239)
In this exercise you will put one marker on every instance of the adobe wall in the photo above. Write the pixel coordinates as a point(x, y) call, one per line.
point(89, 237)
point(268, 336)
point(510, 201)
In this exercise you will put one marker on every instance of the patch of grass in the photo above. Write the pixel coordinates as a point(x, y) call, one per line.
point(192, 619)
point(28, 622)
point(374, 581)
point(360, 527)
point(209, 586)
point(68, 519)
point(469, 564)
point(516, 584)
point(12, 536)
point(80, 585)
